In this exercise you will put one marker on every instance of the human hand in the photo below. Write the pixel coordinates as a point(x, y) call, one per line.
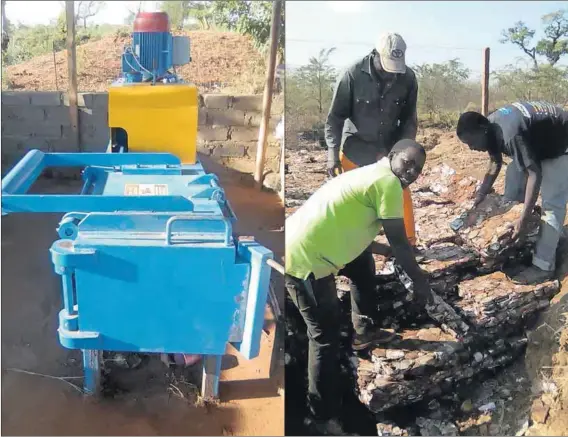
point(480, 197)
point(423, 294)
point(334, 168)
point(519, 232)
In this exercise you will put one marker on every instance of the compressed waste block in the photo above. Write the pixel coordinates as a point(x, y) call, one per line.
point(495, 306)
point(425, 363)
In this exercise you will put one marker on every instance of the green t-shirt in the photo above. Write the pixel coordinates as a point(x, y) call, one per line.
point(341, 219)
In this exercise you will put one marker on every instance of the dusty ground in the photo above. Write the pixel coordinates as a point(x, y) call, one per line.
point(145, 402)
point(216, 56)
point(540, 375)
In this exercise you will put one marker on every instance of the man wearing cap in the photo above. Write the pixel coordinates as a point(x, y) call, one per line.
point(374, 107)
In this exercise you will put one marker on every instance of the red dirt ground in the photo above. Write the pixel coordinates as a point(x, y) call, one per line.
point(219, 59)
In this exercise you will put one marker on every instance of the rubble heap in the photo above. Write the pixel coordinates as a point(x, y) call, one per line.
point(477, 324)
point(481, 319)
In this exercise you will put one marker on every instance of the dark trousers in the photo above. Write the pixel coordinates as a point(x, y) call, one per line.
point(319, 306)
point(364, 305)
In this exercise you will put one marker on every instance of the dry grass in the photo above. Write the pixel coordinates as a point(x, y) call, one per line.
point(219, 60)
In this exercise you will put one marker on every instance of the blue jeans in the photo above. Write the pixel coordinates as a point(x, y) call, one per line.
point(554, 193)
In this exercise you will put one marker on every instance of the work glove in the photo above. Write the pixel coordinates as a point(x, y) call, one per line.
point(333, 163)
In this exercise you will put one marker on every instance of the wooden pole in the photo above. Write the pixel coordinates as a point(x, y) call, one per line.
point(267, 99)
point(485, 83)
point(72, 73)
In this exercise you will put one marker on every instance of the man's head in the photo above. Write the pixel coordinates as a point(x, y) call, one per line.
point(474, 130)
point(392, 52)
point(407, 159)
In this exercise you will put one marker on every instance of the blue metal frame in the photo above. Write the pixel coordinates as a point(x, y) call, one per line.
point(122, 258)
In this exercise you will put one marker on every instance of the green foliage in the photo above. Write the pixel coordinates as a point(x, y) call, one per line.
point(87, 9)
point(552, 47)
point(442, 87)
point(181, 12)
point(549, 83)
point(309, 91)
point(250, 18)
point(27, 42)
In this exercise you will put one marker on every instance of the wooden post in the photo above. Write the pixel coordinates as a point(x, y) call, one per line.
point(267, 99)
point(72, 73)
point(485, 83)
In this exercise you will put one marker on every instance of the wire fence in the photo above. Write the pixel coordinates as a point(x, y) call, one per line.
point(445, 89)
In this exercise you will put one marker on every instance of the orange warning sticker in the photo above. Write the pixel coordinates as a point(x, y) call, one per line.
point(145, 190)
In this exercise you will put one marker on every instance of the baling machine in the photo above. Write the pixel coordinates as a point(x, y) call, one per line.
point(146, 252)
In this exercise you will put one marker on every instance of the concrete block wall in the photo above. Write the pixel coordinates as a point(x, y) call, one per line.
point(227, 132)
point(40, 120)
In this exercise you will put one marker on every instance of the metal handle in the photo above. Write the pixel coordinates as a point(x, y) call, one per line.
point(172, 220)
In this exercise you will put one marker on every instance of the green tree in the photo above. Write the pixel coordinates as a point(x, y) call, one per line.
point(250, 18)
point(441, 87)
point(309, 90)
point(555, 45)
point(87, 9)
point(201, 12)
point(177, 11)
point(548, 83)
point(317, 78)
point(552, 47)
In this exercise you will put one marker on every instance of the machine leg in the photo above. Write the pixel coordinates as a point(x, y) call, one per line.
point(92, 370)
point(211, 373)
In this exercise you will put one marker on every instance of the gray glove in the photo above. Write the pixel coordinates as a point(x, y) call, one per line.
point(333, 162)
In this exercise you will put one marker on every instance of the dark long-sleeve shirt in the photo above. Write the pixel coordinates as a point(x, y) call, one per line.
point(368, 115)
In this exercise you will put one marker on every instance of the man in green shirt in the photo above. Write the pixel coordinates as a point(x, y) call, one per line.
point(335, 225)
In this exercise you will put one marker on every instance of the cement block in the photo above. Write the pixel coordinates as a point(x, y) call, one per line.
point(277, 107)
point(227, 117)
point(16, 98)
point(12, 144)
point(253, 119)
point(248, 103)
point(216, 101)
point(58, 115)
point(64, 144)
point(202, 116)
point(26, 128)
point(95, 142)
point(98, 101)
point(32, 143)
point(22, 113)
point(271, 151)
point(205, 149)
point(229, 150)
point(47, 98)
point(244, 134)
point(80, 99)
point(213, 133)
point(242, 165)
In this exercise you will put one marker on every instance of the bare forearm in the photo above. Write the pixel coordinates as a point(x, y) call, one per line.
point(490, 177)
point(534, 181)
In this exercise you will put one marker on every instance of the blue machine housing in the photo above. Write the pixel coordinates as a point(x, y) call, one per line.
point(148, 259)
point(149, 58)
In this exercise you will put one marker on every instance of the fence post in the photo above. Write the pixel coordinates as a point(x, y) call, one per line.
point(485, 83)
point(267, 99)
point(72, 72)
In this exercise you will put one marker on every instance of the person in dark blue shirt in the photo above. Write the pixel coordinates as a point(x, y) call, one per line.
point(535, 136)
